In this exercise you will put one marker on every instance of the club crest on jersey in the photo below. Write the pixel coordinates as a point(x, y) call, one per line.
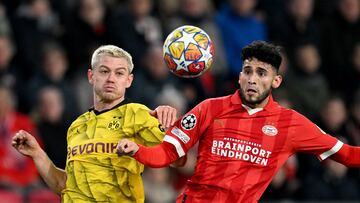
point(269, 130)
point(188, 122)
point(114, 125)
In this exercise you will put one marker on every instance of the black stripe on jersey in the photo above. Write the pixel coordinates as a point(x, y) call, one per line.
point(125, 101)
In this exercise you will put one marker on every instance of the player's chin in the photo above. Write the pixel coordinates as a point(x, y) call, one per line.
point(252, 96)
point(109, 96)
point(252, 99)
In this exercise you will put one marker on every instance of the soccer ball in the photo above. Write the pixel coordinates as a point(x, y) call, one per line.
point(188, 51)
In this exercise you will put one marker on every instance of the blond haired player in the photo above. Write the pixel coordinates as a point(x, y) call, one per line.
point(94, 172)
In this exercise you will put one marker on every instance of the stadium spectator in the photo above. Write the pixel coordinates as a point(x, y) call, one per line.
point(285, 185)
point(10, 71)
point(143, 30)
point(158, 186)
point(297, 25)
point(239, 26)
point(306, 87)
point(54, 66)
point(154, 78)
point(41, 24)
point(353, 125)
point(89, 24)
point(352, 76)
point(48, 114)
point(340, 34)
point(334, 184)
point(18, 174)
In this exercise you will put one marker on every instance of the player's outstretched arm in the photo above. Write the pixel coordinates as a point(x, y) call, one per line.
point(348, 155)
point(27, 145)
point(157, 156)
point(126, 147)
point(166, 115)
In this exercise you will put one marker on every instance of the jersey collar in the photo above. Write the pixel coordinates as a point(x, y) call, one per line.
point(125, 101)
point(235, 99)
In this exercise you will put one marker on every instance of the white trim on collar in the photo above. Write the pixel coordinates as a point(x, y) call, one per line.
point(251, 111)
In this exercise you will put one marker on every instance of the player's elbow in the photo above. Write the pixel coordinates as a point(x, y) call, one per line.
point(179, 162)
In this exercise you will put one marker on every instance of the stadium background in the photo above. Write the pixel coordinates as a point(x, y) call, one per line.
point(45, 48)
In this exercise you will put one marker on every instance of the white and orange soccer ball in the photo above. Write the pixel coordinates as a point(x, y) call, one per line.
point(188, 51)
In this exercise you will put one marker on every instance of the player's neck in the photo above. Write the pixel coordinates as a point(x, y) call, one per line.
point(101, 104)
point(261, 104)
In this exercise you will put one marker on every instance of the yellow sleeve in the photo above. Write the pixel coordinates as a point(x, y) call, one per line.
point(147, 128)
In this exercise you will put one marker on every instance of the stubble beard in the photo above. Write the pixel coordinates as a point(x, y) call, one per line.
point(253, 103)
point(105, 97)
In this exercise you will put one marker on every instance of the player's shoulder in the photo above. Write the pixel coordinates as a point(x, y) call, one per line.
point(81, 118)
point(297, 118)
point(216, 100)
point(135, 109)
point(135, 106)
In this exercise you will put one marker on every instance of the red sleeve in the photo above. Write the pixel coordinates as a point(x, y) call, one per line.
point(188, 129)
point(178, 139)
point(348, 155)
point(309, 138)
point(157, 156)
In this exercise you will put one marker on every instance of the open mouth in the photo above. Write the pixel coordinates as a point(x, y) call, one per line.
point(251, 91)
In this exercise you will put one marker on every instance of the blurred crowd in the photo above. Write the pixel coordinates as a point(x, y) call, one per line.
point(45, 48)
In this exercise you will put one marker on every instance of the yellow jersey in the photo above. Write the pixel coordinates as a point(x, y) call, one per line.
point(95, 173)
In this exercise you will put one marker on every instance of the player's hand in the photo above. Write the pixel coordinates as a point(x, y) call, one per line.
point(126, 147)
point(25, 143)
point(179, 162)
point(166, 115)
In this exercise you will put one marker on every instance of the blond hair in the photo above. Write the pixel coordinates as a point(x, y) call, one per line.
point(112, 51)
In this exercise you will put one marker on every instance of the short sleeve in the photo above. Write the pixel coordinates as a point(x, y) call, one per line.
point(188, 129)
point(309, 138)
point(147, 128)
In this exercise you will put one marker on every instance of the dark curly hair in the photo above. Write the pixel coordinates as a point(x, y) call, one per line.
point(263, 51)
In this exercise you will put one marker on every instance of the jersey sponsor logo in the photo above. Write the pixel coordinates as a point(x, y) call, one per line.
point(269, 130)
point(89, 148)
point(242, 150)
point(188, 122)
point(180, 134)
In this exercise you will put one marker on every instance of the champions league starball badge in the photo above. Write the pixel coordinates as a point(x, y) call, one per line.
point(188, 122)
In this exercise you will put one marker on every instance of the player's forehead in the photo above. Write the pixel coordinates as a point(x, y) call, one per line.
point(254, 63)
point(112, 62)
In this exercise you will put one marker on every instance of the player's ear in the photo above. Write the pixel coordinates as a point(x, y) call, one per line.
point(90, 75)
point(239, 77)
point(129, 80)
point(276, 81)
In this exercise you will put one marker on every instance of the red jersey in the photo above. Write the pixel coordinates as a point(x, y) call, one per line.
point(241, 149)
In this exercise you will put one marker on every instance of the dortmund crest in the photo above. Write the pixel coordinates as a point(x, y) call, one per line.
point(114, 125)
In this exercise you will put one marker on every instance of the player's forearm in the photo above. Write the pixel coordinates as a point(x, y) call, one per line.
point(158, 156)
point(348, 156)
point(54, 177)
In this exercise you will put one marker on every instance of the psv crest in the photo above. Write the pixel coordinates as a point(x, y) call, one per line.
point(188, 122)
point(269, 130)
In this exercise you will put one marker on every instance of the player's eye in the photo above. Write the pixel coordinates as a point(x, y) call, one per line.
point(262, 73)
point(103, 71)
point(247, 72)
point(120, 73)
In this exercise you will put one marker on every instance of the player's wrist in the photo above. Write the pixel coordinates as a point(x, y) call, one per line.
point(137, 152)
point(38, 154)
